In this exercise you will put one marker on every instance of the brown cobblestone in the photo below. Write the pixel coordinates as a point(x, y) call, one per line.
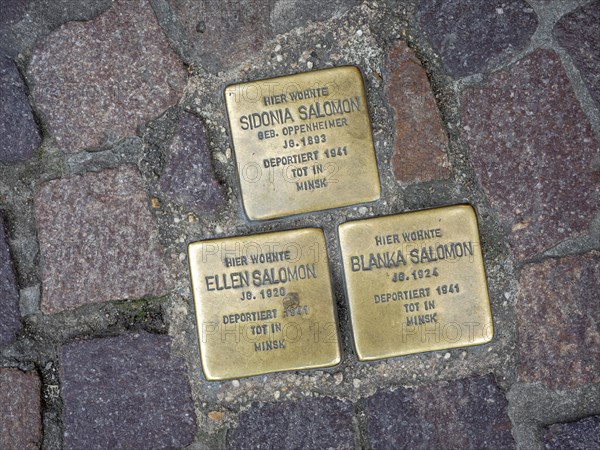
point(20, 420)
point(96, 81)
point(558, 317)
point(420, 143)
point(533, 150)
point(98, 240)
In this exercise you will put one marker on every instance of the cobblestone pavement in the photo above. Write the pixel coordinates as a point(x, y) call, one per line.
point(115, 154)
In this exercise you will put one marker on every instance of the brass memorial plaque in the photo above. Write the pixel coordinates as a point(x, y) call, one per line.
point(264, 303)
point(416, 282)
point(302, 142)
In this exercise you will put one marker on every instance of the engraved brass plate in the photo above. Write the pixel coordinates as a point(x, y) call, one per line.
point(302, 142)
point(264, 303)
point(416, 282)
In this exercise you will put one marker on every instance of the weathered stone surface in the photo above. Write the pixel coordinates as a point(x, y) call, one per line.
point(125, 392)
point(9, 295)
point(189, 177)
point(583, 434)
point(20, 420)
point(310, 423)
point(421, 143)
point(38, 18)
point(473, 36)
point(467, 414)
point(19, 136)
point(222, 34)
point(96, 81)
point(533, 151)
point(579, 33)
point(288, 14)
point(12, 11)
point(558, 316)
point(98, 240)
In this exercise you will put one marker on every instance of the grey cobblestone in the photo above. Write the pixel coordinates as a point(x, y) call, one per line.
point(583, 434)
point(125, 392)
point(189, 177)
point(218, 35)
point(311, 423)
point(469, 413)
point(474, 37)
point(12, 11)
point(9, 296)
point(20, 136)
point(579, 33)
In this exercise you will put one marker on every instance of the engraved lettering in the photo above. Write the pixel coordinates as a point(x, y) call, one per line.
point(266, 119)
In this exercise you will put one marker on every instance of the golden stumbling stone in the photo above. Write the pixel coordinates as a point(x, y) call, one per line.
point(264, 303)
point(302, 142)
point(416, 282)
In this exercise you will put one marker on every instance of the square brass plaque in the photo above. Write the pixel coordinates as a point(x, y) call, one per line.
point(302, 142)
point(264, 303)
point(416, 282)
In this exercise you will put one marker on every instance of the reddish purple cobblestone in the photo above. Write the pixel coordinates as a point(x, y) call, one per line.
point(533, 151)
point(20, 419)
point(420, 143)
point(583, 434)
point(98, 240)
point(466, 414)
point(96, 81)
point(9, 295)
point(473, 36)
point(19, 136)
point(125, 392)
point(311, 423)
point(558, 317)
point(189, 177)
point(579, 33)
